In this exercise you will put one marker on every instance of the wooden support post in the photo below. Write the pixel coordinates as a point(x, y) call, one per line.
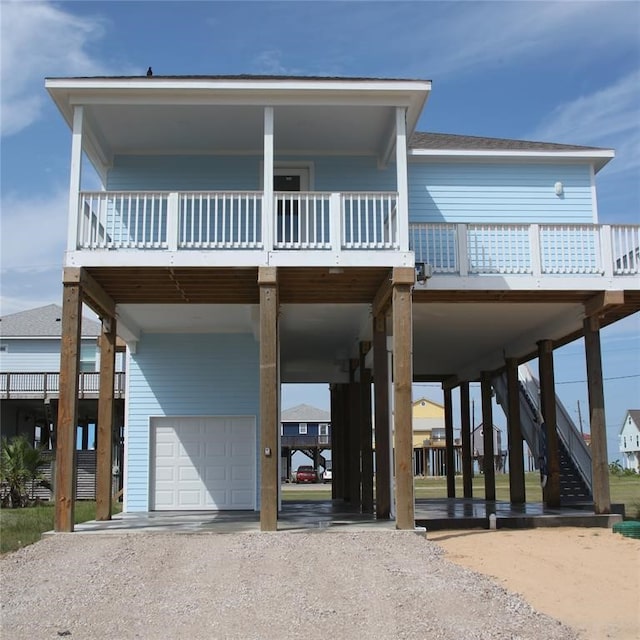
point(465, 422)
point(336, 441)
point(551, 492)
point(343, 462)
point(403, 280)
point(269, 413)
point(104, 453)
point(354, 453)
point(516, 452)
point(381, 400)
point(487, 437)
point(598, 427)
point(68, 408)
point(448, 435)
point(366, 432)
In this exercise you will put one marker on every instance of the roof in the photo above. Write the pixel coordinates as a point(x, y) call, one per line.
point(428, 140)
point(635, 416)
point(305, 413)
point(42, 322)
point(242, 77)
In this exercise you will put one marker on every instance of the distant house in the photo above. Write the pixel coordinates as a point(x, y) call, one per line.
point(629, 440)
point(304, 429)
point(29, 384)
point(477, 442)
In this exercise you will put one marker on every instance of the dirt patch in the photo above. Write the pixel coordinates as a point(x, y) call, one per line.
point(587, 578)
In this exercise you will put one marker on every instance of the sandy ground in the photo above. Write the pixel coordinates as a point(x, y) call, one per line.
point(587, 578)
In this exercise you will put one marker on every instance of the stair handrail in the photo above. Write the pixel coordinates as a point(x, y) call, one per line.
point(565, 427)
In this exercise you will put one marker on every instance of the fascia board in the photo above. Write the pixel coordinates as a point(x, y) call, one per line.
point(599, 158)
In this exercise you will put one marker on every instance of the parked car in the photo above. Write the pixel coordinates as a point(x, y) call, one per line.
point(306, 474)
point(327, 475)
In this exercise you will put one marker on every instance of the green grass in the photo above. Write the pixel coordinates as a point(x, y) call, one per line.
point(624, 490)
point(21, 527)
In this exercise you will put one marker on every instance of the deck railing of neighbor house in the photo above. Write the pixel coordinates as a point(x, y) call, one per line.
point(349, 221)
point(46, 384)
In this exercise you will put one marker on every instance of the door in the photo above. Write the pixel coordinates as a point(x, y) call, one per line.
point(288, 213)
point(203, 463)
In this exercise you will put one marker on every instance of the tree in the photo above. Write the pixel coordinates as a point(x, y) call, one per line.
point(20, 466)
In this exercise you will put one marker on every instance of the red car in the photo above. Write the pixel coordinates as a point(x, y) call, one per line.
point(306, 474)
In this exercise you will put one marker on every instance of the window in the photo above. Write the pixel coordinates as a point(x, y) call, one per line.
point(323, 429)
point(3, 348)
point(302, 428)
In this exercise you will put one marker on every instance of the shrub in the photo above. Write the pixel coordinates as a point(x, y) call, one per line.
point(20, 467)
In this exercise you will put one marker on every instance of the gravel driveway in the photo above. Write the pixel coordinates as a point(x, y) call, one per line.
point(325, 585)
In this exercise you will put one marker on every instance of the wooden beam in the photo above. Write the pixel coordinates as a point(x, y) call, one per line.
point(602, 302)
point(381, 407)
point(68, 408)
point(551, 492)
point(403, 379)
point(465, 426)
point(382, 299)
point(104, 436)
point(94, 296)
point(516, 453)
point(449, 452)
point(269, 395)
point(597, 422)
point(355, 451)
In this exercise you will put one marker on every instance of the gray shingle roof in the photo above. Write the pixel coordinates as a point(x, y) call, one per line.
point(305, 413)
point(451, 142)
point(42, 322)
point(635, 415)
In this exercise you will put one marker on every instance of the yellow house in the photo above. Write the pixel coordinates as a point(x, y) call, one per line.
point(428, 423)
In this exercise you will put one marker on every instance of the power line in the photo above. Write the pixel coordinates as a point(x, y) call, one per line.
point(635, 375)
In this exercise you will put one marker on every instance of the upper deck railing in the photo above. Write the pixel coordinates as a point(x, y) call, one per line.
point(37, 385)
point(343, 222)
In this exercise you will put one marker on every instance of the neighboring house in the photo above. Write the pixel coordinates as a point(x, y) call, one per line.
point(477, 442)
point(629, 440)
point(30, 343)
point(307, 430)
point(254, 231)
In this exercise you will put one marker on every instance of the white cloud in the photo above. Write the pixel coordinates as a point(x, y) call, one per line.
point(39, 38)
point(472, 35)
point(609, 117)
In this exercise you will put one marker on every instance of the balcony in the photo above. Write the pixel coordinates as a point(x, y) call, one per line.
point(44, 385)
point(325, 229)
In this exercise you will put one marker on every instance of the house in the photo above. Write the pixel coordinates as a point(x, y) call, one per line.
point(255, 231)
point(30, 345)
point(305, 429)
point(499, 454)
point(629, 440)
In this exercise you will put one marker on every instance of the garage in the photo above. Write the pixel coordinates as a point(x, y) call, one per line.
point(203, 463)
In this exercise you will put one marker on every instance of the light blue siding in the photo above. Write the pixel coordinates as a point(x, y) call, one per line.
point(185, 375)
point(499, 193)
point(40, 355)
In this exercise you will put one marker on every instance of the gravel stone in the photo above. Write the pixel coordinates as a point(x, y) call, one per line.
point(352, 585)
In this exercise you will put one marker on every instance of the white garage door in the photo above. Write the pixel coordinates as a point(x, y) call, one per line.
point(203, 463)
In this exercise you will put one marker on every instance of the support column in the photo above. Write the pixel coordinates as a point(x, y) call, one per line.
point(381, 400)
point(598, 427)
point(551, 492)
point(403, 281)
point(487, 437)
point(366, 432)
point(354, 453)
point(337, 429)
point(104, 453)
point(516, 451)
point(68, 408)
point(269, 413)
point(448, 435)
point(467, 460)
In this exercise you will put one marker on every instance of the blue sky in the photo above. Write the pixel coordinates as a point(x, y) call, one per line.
point(556, 71)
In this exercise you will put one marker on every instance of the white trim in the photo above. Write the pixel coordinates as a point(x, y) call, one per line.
point(75, 178)
point(594, 197)
point(598, 158)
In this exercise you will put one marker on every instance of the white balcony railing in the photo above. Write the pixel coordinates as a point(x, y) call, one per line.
point(235, 220)
point(47, 384)
point(536, 250)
